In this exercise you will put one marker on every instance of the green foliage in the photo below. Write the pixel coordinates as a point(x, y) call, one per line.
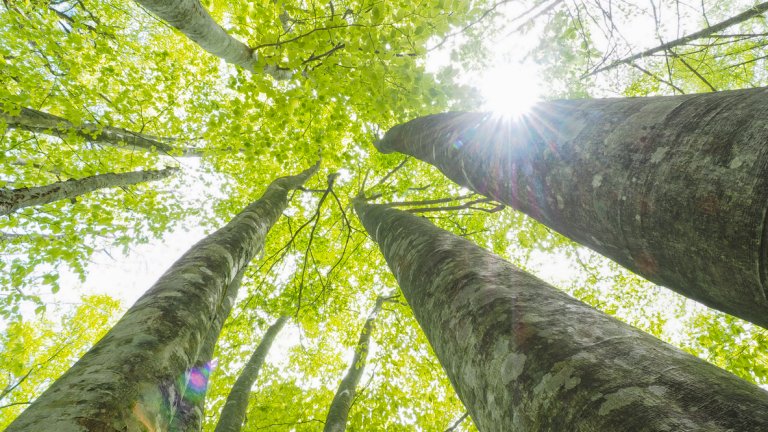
point(358, 68)
point(36, 352)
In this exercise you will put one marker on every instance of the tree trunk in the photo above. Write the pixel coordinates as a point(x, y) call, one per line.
point(233, 413)
point(336, 420)
point(673, 188)
point(189, 415)
point(15, 199)
point(525, 356)
point(131, 379)
point(42, 122)
point(194, 21)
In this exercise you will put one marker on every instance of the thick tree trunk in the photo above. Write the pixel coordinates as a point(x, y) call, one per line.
point(189, 414)
point(15, 199)
point(673, 188)
point(194, 21)
point(336, 420)
point(132, 378)
point(42, 122)
point(236, 405)
point(525, 356)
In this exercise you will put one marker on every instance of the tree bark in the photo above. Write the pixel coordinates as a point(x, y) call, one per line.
point(189, 414)
point(42, 122)
point(15, 199)
point(673, 188)
point(132, 378)
point(236, 405)
point(525, 356)
point(194, 21)
point(336, 420)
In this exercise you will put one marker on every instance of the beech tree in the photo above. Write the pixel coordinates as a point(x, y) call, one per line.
point(131, 378)
point(233, 414)
point(665, 186)
point(523, 355)
point(14, 199)
point(338, 412)
point(38, 121)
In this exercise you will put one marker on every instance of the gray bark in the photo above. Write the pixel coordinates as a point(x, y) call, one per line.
point(131, 379)
point(236, 405)
point(673, 188)
point(338, 412)
point(42, 122)
point(194, 21)
point(525, 356)
point(15, 199)
point(189, 414)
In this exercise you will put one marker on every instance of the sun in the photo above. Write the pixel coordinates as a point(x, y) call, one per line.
point(509, 89)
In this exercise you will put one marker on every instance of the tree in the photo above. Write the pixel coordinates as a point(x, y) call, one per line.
point(38, 121)
point(15, 199)
point(752, 12)
point(233, 414)
point(191, 18)
point(338, 412)
point(664, 186)
point(132, 378)
point(523, 355)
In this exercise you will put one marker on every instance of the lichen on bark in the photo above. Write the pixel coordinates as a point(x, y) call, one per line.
point(525, 356)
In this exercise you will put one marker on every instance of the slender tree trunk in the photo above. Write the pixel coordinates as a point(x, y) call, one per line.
point(673, 188)
point(336, 420)
point(750, 13)
point(189, 414)
point(194, 21)
point(15, 199)
point(525, 356)
point(236, 405)
point(42, 122)
point(132, 378)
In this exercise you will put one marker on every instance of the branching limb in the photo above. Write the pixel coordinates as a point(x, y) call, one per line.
point(707, 32)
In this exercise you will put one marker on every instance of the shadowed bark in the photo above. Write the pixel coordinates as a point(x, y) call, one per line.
point(49, 124)
point(194, 21)
point(133, 378)
point(525, 356)
point(673, 188)
point(236, 405)
point(15, 199)
point(336, 420)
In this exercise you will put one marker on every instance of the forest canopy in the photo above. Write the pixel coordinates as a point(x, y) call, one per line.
point(199, 126)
